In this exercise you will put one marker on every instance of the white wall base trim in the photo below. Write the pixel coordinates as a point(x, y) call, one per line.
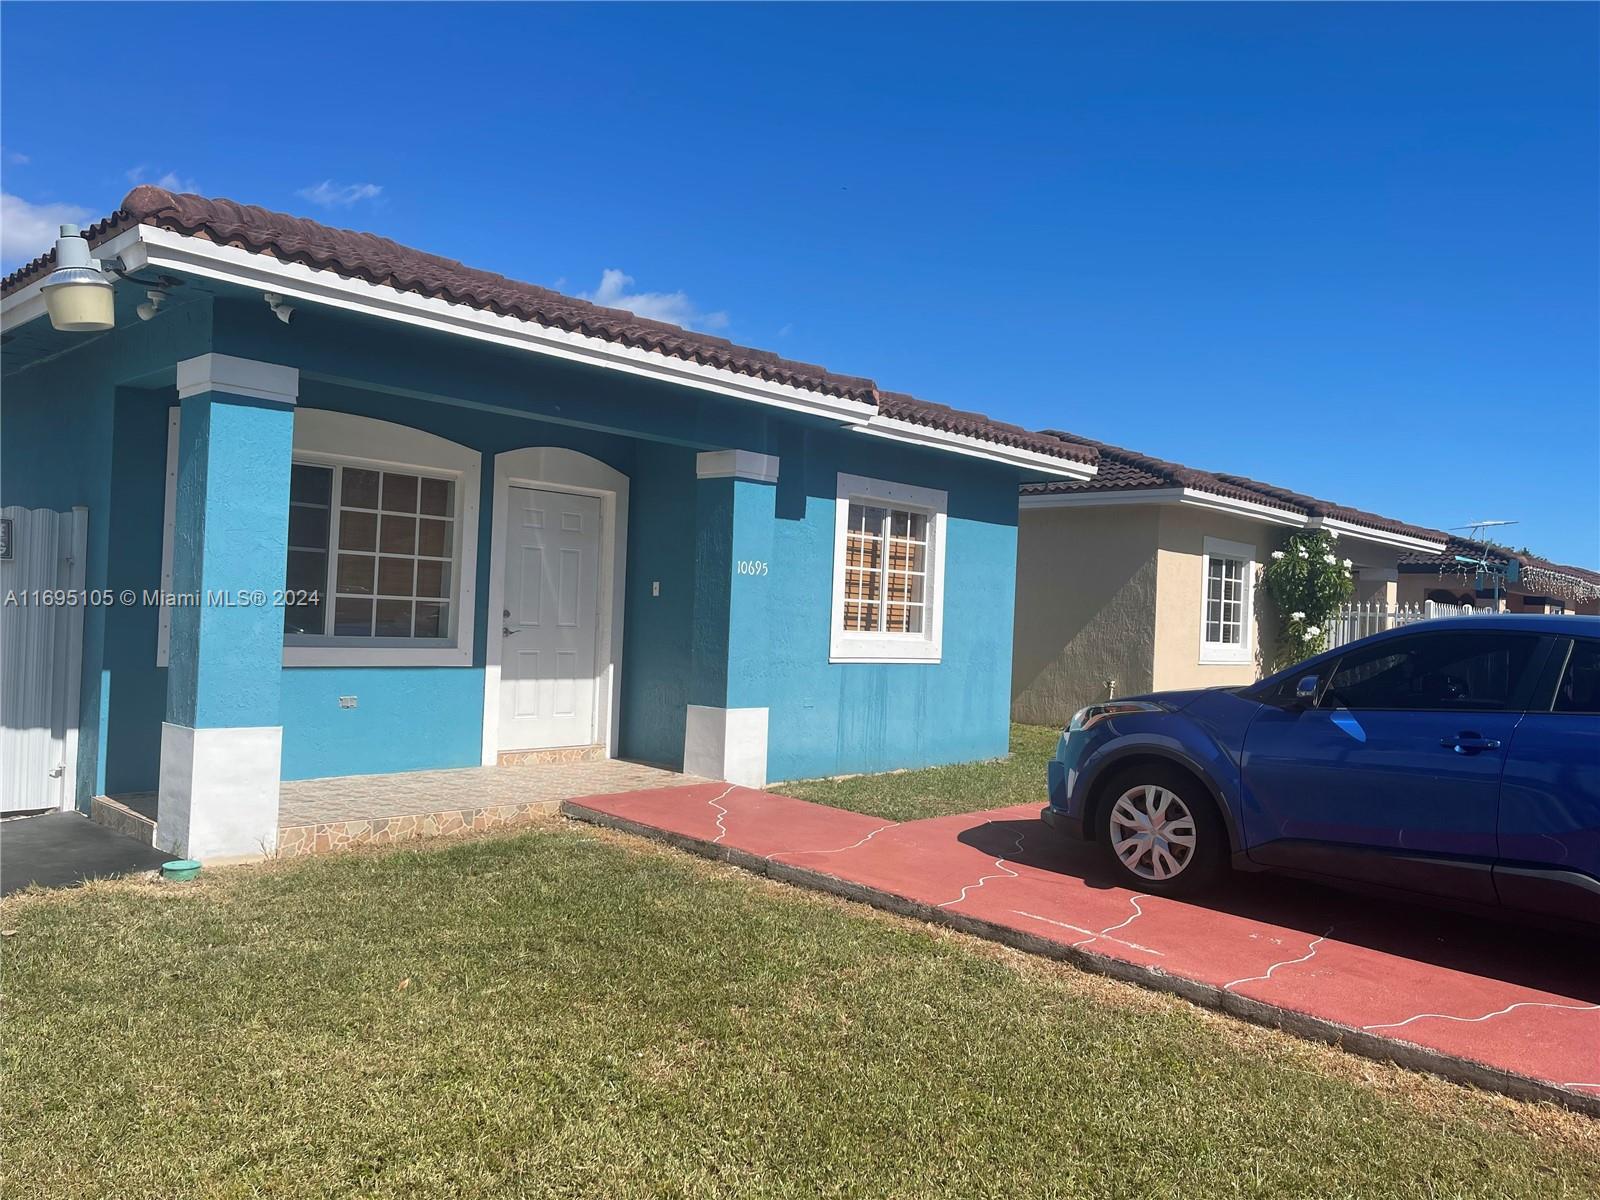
point(219, 791)
point(736, 464)
point(726, 743)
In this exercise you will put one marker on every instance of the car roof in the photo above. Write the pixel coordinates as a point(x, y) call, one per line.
point(1562, 624)
point(1557, 624)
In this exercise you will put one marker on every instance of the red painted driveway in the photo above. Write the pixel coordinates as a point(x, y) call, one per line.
point(1481, 993)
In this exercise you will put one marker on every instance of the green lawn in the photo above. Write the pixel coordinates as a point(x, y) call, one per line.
point(937, 791)
point(569, 1012)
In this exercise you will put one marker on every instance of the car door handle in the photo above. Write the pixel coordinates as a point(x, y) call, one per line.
point(1469, 743)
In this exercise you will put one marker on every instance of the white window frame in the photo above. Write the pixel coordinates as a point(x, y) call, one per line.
point(323, 438)
point(925, 647)
point(1242, 651)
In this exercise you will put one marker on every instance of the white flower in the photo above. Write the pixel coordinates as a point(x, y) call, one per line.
point(1348, 564)
point(1301, 551)
point(1313, 631)
point(1329, 559)
point(1277, 554)
point(1297, 616)
point(1334, 534)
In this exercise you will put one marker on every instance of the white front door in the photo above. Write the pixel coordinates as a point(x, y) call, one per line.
point(550, 620)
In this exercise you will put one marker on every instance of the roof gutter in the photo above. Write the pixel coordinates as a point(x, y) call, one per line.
point(153, 247)
point(1187, 497)
point(150, 246)
point(960, 443)
point(1383, 537)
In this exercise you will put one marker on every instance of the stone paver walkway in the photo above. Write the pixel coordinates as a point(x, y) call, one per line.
point(316, 816)
point(1486, 1002)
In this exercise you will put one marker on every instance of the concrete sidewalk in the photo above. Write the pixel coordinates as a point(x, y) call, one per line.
point(1482, 1002)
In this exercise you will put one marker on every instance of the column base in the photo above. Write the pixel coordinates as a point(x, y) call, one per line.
point(219, 791)
point(726, 743)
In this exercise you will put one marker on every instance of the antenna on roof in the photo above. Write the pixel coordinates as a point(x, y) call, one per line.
point(1495, 572)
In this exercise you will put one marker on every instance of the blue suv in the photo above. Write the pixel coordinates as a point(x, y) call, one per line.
point(1453, 758)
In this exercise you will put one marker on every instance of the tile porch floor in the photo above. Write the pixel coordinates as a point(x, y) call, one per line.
point(316, 816)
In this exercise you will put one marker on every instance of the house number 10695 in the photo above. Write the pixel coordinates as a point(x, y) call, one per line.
point(752, 566)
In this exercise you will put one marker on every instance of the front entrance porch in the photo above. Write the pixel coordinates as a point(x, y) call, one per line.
point(318, 816)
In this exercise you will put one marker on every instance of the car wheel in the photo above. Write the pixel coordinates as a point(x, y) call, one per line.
point(1162, 832)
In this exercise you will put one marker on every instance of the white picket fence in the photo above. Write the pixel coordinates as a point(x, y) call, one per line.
point(1354, 621)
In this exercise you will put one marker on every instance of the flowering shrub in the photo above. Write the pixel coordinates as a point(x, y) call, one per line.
point(1306, 581)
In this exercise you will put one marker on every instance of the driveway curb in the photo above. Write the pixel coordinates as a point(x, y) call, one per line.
point(1357, 1041)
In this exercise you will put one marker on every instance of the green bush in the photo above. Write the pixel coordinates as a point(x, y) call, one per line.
point(1306, 580)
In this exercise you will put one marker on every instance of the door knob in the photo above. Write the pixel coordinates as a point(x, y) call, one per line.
point(506, 631)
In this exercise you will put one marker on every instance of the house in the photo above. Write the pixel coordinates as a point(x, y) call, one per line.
point(349, 508)
point(1526, 582)
point(1143, 577)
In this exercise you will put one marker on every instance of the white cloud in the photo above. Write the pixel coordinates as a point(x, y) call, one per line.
point(17, 159)
point(28, 230)
point(170, 180)
point(674, 307)
point(787, 329)
point(339, 195)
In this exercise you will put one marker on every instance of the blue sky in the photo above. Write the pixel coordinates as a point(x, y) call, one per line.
point(1349, 250)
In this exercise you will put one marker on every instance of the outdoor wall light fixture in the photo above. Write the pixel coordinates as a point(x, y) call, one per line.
point(78, 295)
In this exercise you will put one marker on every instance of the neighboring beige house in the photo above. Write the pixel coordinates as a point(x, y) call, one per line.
point(1529, 584)
point(1144, 578)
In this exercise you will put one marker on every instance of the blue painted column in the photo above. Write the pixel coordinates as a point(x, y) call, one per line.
point(222, 740)
point(725, 731)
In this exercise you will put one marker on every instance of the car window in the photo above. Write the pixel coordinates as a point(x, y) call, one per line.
point(1442, 671)
point(1579, 690)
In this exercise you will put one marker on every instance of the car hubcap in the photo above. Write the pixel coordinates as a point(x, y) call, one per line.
point(1152, 832)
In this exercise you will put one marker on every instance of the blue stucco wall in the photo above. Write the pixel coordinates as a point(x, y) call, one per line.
point(712, 636)
point(658, 634)
point(57, 433)
point(423, 718)
point(842, 718)
point(135, 688)
point(230, 545)
point(407, 719)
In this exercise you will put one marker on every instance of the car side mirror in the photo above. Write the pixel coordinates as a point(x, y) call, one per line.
point(1306, 689)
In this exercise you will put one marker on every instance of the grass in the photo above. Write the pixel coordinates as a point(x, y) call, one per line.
point(570, 1012)
point(939, 791)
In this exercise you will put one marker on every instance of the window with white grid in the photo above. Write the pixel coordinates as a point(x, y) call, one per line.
point(1225, 617)
point(371, 553)
point(383, 532)
point(886, 569)
point(888, 558)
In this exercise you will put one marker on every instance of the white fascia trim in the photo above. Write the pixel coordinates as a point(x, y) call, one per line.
point(736, 464)
point(1188, 497)
point(961, 443)
point(1382, 537)
point(237, 377)
point(165, 250)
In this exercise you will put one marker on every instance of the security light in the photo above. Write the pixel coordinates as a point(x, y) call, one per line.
point(77, 295)
point(280, 307)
